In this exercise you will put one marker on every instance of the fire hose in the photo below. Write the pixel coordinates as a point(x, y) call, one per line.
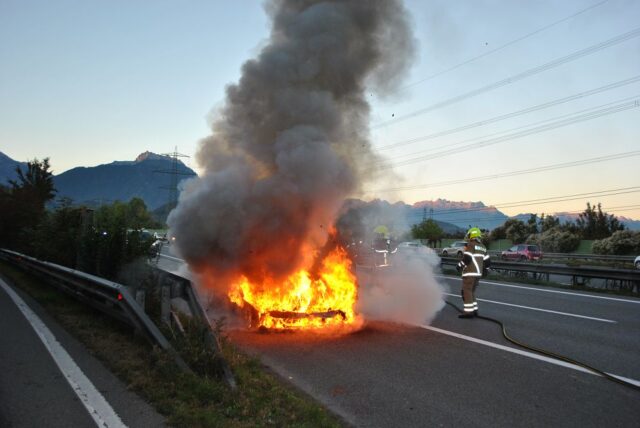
point(549, 353)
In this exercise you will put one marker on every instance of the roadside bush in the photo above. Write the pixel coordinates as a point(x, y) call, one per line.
point(621, 243)
point(556, 240)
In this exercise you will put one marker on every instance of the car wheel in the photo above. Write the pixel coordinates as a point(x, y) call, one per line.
point(459, 254)
point(638, 265)
point(445, 254)
point(503, 257)
point(523, 258)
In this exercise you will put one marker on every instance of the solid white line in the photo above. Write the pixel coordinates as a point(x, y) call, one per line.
point(540, 309)
point(523, 353)
point(547, 291)
point(171, 257)
point(98, 408)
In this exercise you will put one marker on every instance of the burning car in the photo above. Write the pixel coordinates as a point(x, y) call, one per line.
point(304, 299)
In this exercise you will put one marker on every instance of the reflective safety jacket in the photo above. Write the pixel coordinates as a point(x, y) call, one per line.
point(475, 259)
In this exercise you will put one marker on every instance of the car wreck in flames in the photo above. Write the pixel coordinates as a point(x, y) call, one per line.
point(307, 299)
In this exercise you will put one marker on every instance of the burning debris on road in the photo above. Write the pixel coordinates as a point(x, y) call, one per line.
point(288, 146)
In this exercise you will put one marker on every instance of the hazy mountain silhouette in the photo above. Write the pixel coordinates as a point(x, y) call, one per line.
point(461, 214)
point(146, 178)
point(8, 168)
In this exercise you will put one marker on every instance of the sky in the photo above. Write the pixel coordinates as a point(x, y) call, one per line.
point(87, 82)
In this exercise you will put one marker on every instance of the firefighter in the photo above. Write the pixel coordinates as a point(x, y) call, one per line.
point(474, 264)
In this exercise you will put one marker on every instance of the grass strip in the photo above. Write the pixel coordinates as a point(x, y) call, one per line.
point(186, 400)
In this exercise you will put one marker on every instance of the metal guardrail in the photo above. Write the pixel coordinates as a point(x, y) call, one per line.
point(107, 296)
point(602, 257)
point(627, 275)
point(180, 287)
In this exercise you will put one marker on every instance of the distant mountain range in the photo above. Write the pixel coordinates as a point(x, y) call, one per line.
point(148, 177)
point(462, 214)
point(8, 168)
point(398, 217)
point(566, 217)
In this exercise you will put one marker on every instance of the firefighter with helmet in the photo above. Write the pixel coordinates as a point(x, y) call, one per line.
point(474, 264)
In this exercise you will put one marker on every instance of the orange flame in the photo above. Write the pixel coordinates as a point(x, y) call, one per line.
point(302, 301)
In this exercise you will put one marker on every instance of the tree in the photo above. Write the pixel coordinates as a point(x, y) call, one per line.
point(59, 236)
point(515, 230)
point(548, 222)
point(22, 205)
point(498, 233)
point(137, 214)
point(556, 240)
point(621, 242)
point(37, 182)
point(595, 224)
point(532, 224)
point(429, 230)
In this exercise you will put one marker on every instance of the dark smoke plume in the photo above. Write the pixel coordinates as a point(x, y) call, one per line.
point(291, 141)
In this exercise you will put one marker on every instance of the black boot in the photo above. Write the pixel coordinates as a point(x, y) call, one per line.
point(466, 315)
point(475, 313)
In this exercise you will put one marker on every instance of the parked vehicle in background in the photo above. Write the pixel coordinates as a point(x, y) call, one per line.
point(636, 262)
point(522, 252)
point(455, 249)
point(413, 247)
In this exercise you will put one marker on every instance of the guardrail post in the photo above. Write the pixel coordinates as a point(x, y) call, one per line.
point(140, 298)
point(165, 304)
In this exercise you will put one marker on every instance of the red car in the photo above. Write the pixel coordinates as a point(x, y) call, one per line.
point(522, 252)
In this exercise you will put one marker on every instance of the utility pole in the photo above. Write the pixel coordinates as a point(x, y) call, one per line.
point(424, 214)
point(173, 176)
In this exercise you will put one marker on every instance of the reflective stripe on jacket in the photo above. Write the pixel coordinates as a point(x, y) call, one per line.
point(473, 259)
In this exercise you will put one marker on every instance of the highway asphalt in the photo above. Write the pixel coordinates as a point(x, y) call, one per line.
point(34, 391)
point(458, 372)
point(401, 376)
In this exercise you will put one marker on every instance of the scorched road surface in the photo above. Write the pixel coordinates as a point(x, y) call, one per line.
point(399, 376)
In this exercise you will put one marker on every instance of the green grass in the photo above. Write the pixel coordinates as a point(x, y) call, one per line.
point(584, 247)
point(187, 400)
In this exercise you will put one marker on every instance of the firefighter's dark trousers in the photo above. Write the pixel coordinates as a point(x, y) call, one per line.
point(469, 284)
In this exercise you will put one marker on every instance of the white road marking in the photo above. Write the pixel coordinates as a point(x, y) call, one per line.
point(97, 406)
point(171, 257)
point(540, 309)
point(500, 284)
point(524, 353)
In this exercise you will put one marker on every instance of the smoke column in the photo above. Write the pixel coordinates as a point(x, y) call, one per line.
point(291, 141)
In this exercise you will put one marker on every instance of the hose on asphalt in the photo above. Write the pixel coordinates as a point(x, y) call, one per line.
point(549, 353)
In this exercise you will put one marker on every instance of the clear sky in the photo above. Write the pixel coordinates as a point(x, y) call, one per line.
point(89, 82)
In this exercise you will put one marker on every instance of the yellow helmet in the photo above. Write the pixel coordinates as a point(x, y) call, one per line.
point(473, 233)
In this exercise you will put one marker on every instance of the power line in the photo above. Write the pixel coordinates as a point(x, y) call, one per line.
point(520, 76)
point(517, 128)
point(513, 114)
point(513, 173)
point(535, 130)
point(553, 199)
point(519, 39)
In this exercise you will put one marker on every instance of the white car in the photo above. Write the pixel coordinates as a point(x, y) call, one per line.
point(456, 249)
point(636, 262)
point(412, 247)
